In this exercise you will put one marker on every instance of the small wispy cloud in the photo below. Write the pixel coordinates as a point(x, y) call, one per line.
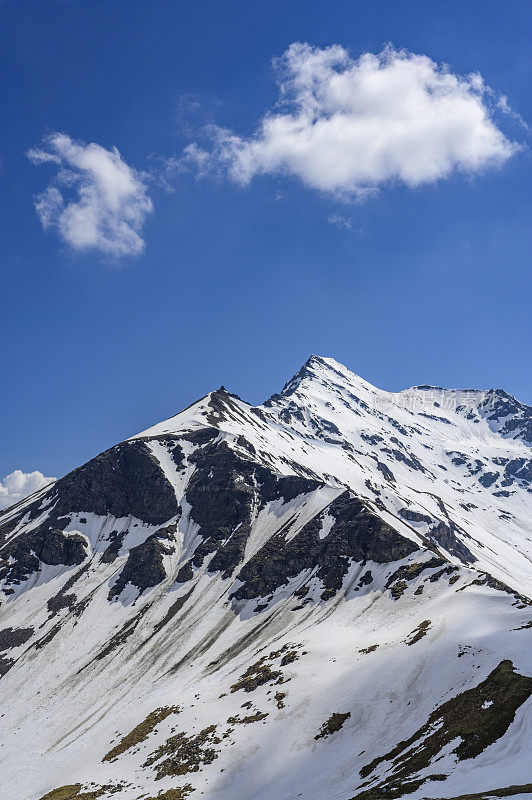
point(349, 126)
point(18, 485)
point(193, 156)
point(505, 108)
point(193, 111)
point(96, 201)
point(344, 223)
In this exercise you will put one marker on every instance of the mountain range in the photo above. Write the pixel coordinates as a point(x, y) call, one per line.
point(323, 597)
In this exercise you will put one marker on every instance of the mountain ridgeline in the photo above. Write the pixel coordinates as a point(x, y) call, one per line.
point(326, 596)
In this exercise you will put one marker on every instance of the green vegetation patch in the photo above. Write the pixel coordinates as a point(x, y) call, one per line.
point(397, 583)
point(333, 724)
point(291, 655)
point(492, 794)
point(410, 571)
point(508, 791)
point(398, 589)
point(289, 658)
point(141, 731)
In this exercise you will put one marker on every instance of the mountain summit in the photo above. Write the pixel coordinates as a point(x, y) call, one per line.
point(326, 596)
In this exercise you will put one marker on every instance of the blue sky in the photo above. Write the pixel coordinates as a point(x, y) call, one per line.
point(234, 282)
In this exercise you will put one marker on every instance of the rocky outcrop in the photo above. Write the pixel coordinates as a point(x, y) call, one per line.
point(14, 637)
point(445, 536)
point(223, 492)
point(357, 534)
point(23, 555)
point(144, 567)
point(125, 480)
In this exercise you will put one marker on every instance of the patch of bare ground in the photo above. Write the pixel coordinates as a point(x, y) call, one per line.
point(76, 791)
point(182, 754)
point(246, 720)
point(141, 731)
point(333, 724)
point(181, 793)
point(418, 633)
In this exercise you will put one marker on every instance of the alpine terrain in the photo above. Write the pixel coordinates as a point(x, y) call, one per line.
point(325, 597)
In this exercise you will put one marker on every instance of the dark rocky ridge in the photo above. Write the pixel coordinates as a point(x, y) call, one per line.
point(125, 480)
point(223, 480)
point(223, 493)
point(357, 534)
point(517, 418)
point(230, 483)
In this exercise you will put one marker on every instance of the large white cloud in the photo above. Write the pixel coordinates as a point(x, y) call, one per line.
point(18, 485)
point(96, 200)
point(347, 126)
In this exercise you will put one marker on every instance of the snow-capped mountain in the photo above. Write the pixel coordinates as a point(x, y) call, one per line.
point(325, 597)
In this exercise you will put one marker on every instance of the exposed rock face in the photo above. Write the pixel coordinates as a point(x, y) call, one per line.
point(144, 567)
point(414, 516)
point(20, 557)
point(14, 637)
point(508, 415)
point(224, 493)
point(125, 480)
point(445, 536)
point(10, 639)
point(356, 535)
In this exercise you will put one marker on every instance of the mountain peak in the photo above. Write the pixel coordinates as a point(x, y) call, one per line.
point(324, 371)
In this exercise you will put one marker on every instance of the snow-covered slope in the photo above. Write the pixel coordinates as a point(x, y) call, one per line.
point(322, 597)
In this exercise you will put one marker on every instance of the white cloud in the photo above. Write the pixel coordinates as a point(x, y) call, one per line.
point(96, 200)
point(18, 485)
point(347, 126)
